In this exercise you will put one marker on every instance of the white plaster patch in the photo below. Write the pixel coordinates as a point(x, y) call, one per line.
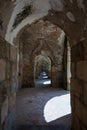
point(80, 4)
point(57, 5)
point(71, 16)
point(40, 10)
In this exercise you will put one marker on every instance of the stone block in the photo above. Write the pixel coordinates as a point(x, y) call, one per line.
point(2, 70)
point(81, 111)
point(73, 69)
point(76, 87)
point(13, 85)
point(14, 70)
point(60, 67)
point(2, 49)
point(85, 50)
point(85, 94)
point(4, 110)
point(77, 52)
point(8, 70)
point(12, 102)
point(72, 102)
point(84, 128)
point(82, 70)
point(9, 85)
point(8, 50)
point(75, 123)
point(13, 53)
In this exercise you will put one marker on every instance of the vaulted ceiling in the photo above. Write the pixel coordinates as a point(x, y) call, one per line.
point(70, 15)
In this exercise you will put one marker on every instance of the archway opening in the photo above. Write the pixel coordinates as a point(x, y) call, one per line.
point(44, 49)
point(42, 70)
point(47, 39)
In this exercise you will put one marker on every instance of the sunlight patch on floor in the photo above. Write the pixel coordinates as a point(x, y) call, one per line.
point(47, 82)
point(57, 107)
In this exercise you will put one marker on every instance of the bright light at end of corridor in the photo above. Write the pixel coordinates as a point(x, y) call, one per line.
point(57, 107)
point(47, 82)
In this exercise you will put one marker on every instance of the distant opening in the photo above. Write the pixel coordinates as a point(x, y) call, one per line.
point(42, 70)
point(46, 62)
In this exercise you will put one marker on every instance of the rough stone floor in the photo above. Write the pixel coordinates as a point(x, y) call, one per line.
point(43, 109)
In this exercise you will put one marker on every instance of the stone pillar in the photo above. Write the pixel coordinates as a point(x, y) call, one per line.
point(79, 86)
point(8, 84)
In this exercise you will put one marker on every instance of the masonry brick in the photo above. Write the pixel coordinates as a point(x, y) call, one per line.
point(76, 123)
point(12, 101)
point(85, 94)
point(13, 53)
point(82, 70)
point(76, 87)
point(81, 111)
point(2, 49)
point(2, 69)
point(73, 69)
point(4, 110)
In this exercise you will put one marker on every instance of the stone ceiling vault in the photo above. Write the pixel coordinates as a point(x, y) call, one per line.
point(70, 15)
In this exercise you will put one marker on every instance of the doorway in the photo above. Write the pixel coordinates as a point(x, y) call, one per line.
point(42, 71)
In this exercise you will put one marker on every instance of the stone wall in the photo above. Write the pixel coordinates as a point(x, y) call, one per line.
point(71, 16)
point(79, 86)
point(6, 8)
point(8, 84)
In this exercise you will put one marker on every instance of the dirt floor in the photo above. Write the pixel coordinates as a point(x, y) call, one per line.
point(43, 109)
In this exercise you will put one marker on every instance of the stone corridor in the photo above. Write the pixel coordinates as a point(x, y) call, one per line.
point(48, 36)
point(31, 103)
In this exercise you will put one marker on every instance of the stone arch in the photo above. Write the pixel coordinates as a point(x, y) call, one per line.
point(77, 33)
point(38, 63)
point(40, 46)
point(78, 57)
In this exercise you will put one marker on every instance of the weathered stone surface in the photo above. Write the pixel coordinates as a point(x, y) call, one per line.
point(76, 87)
point(8, 70)
point(6, 8)
point(76, 123)
point(73, 72)
point(72, 102)
point(82, 70)
point(9, 85)
point(75, 26)
point(85, 50)
point(13, 84)
point(4, 110)
point(14, 70)
point(7, 50)
point(2, 49)
point(12, 102)
point(85, 94)
point(77, 56)
point(2, 69)
point(84, 128)
point(81, 111)
point(13, 53)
